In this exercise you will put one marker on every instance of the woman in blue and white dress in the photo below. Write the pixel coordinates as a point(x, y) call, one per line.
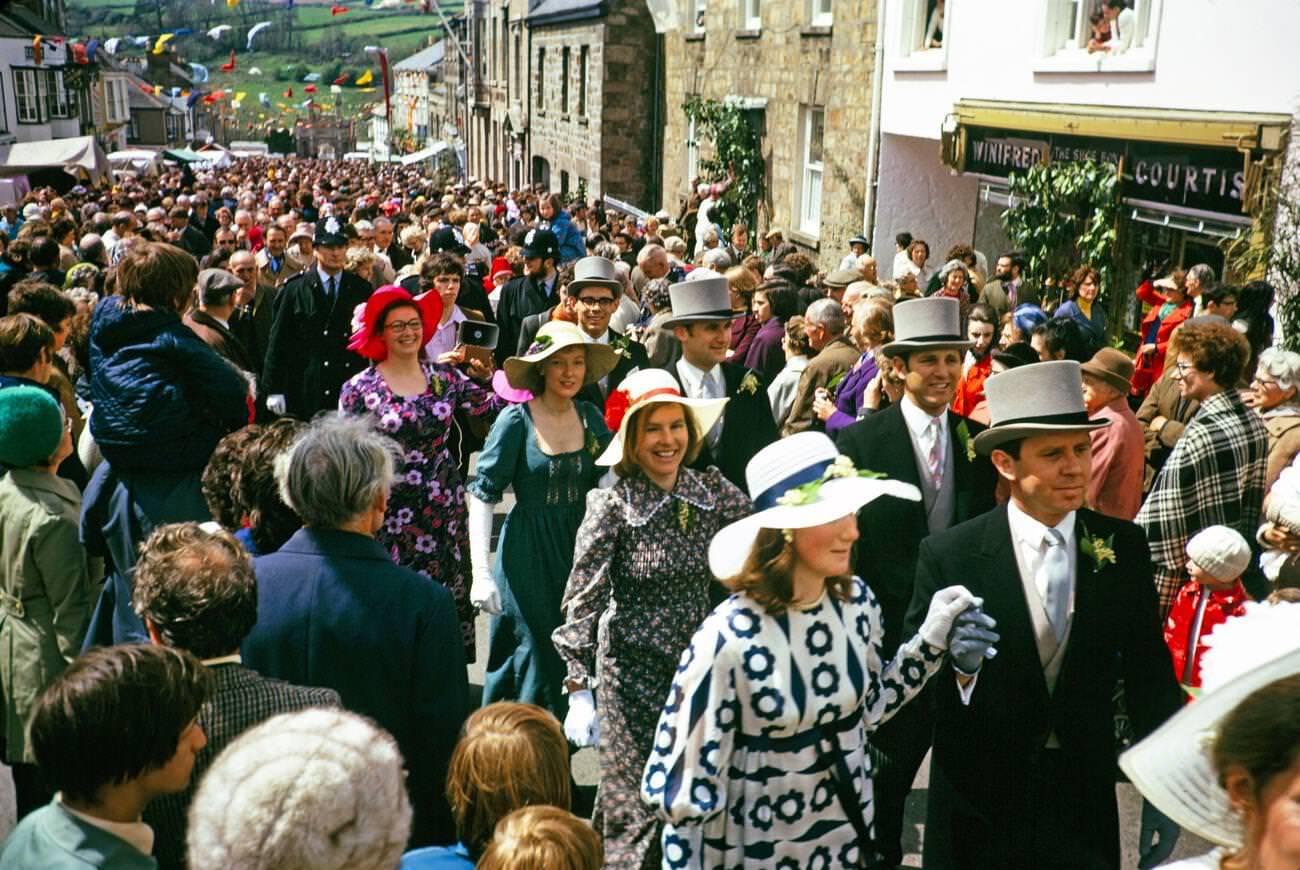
point(760, 755)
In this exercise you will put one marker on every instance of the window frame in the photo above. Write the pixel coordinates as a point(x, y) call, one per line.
point(821, 13)
point(692, 152)
point(4, 112)
point(699, 17)
point(751, 15)
point(565, 56)
point(1063, 39)
point(56, 87)
point(808, 168)
point(37, 100)
point(913, 25)
point(584, 65)
point(541, 78)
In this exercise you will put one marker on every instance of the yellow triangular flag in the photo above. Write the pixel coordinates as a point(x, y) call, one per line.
point(162, 40)
point(366, 78)
point(239, 97)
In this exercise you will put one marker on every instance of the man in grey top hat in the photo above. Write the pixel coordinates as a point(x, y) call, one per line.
point(1023, 771)
point(701, 320)
point(918, 440)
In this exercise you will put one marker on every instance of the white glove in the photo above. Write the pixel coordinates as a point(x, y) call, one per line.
point(483, 591)
point(946, 605)
point(276, 405)
point(581, 725)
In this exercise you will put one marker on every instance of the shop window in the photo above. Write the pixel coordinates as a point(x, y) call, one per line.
point(27, 96)
point(820, 13)
point(751, 17)
point(922, 43)
point(698, 9)
point(812, 130)
point(1081, 36)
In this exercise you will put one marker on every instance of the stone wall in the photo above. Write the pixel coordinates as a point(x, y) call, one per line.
point(788, 64)
point(569, 142)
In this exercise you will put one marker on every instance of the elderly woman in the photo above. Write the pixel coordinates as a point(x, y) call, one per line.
point(872, 329)
point(640, 587)
point(1082, 310)
point(742, 284)
point(954, 282)
point(1275, 394)
point(412, 400)
point(546, 450)
point(769, 710)
point(361, 262)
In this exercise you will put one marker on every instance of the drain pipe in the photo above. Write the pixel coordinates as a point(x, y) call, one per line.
point(873, 141)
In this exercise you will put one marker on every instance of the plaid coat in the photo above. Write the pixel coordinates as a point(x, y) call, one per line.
point(1214, 476)
point(241, 698)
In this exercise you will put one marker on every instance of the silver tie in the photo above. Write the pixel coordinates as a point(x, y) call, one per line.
point(711, 389)
point(1054, 572)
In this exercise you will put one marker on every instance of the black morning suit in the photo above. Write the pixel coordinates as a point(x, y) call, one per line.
point(891, 532)
point(747, 425)
point(307, 360)
point(999, 799)
point(519, 298)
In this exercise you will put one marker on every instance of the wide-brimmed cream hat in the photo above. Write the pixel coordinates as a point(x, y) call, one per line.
point(1035, 400)
point(925, 324)
point(555, 335)
point(648, 387)
point(1172, 767)
point(798, 482)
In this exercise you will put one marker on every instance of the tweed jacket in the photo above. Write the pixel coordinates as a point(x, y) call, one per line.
point(837, 358)
point(1214, 476)
point(241, 698)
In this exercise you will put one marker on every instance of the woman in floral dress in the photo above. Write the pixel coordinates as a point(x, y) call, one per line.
point(639, 589)
point(546, 450)
point(412, 401)
point(760, 758)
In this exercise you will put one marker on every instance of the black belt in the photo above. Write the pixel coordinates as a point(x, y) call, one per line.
point(802, 740)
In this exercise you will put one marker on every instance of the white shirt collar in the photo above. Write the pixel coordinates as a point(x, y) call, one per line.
point(457, 316)
point(1029, 532)
point(918, 421)
point(325, 276)
point(232, 659)
point(693, 377)
point(137, 834)
point(604, 337)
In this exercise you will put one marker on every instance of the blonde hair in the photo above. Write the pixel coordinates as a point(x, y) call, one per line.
point(543, 838)
point(628, 466)
point(509, 756)
point(768, 573)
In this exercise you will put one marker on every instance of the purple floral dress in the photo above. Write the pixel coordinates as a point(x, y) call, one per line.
point(426, 527)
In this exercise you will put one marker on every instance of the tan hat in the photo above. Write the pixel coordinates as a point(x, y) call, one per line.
point(555, 335)
point(773, 233)
point(1113, 366)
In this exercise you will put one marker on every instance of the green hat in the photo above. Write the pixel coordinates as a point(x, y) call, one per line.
point(31, 426)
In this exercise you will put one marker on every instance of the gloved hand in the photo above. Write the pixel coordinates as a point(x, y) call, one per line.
point(946, 605)
point(581, 725)
point(972, 640)
point(483, 591)
point(1156, 838)
point(276, 405)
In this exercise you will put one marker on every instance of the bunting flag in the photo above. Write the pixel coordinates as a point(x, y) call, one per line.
point(217, 31)
point(239, 96)
point(37, 50)
point(79, 54)
point(264, 99)
point(162, 41)
point(305, 104)
point(255, 71)
point(311, 77)
point(232, 3)
point(193, 98)
point(110, 45)
point(254, 30)
point(288, 93)
point(310, 89)
point(199, 73)
point(339, 10)
point(342, 80)
point(381, 55)
point(335, 89)
point(229, 66)
point(365, 78)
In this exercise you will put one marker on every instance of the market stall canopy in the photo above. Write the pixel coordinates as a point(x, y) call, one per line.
point(136, 159)
point(424, 154)
point(76, 156)
point(185, 155)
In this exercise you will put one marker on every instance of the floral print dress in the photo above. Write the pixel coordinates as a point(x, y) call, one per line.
point(426, 527)
point(740, 767)
point(639, 589)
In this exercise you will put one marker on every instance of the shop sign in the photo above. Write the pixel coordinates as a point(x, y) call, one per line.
point(1193, 177)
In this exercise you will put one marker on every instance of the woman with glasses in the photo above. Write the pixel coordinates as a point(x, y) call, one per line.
point(413, 400)
point(1275, 394)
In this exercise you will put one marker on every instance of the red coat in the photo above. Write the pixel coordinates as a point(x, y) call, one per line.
point(970, 392)
point(1150, 366)
point(1221, 607)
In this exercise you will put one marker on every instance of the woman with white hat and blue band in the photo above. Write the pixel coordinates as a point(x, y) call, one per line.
point(639, 589)
point(761, 751)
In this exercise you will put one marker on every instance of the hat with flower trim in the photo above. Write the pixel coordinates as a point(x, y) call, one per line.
point(524, 373)
point(649, 387)
point(798, 482)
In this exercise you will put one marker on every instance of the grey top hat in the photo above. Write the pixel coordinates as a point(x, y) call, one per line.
point(706, 299)
point(1035, 400)
point(594, 272)
point(920, 324)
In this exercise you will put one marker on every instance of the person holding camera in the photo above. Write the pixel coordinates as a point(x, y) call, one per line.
point(413, 400)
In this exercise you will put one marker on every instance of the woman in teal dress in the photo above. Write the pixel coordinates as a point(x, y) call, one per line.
point(546, 449)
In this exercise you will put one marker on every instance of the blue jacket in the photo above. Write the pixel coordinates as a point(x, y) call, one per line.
point(51, 838)
point(334, 611)
point(572, 245)
point(163, 398)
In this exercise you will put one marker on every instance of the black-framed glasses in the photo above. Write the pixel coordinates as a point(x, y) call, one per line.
point(415, 325)
point(596, 302)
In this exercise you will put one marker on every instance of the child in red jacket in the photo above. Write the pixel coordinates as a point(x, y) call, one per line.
point(1217, 557)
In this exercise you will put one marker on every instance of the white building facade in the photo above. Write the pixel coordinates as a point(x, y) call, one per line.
point(1193, 99)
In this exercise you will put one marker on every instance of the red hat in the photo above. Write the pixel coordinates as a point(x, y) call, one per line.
point(369, 342)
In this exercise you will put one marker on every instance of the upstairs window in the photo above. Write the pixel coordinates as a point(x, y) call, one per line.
point(820, 13)
point(564, 80)
point(1099, 35)
point(812, 133)
point(583, 56)
point(541, 78)
point(698, 9)
point(751, 17)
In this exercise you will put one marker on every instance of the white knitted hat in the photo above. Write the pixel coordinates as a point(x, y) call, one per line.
point(1219, 551)
point(314, 790)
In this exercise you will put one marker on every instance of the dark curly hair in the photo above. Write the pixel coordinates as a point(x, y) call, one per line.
point(220, 481)
point(270, 520)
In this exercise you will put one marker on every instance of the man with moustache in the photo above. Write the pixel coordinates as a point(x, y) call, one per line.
point(1007, 290)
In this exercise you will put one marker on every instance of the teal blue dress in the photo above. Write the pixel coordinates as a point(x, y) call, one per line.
point(535, 550)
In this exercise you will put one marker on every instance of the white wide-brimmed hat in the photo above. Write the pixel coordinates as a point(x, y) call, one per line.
point(1172, 767)
point(922, 324)
point(649, 387)
point(555, 335)
point(1034, 400)
point(798, 482)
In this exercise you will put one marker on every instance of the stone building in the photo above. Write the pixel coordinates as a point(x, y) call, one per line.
point(415, 79)
point(593, 120)
point(804, 71)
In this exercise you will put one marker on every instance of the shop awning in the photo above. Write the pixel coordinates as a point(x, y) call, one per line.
point(1192, 162)
point(424, 154)
point(80, 154)
point(185, 155)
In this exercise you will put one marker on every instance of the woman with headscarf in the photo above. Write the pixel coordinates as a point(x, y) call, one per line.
point(640, 587)
point(546, 450)
point(412, 399)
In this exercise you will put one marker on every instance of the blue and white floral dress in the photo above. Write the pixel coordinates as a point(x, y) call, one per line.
point(736, 770)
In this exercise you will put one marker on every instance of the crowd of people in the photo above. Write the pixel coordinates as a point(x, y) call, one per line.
point(776, 535)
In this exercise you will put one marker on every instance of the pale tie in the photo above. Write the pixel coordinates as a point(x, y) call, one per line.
point(1054, 579)
point(711, 389)
point(934, 458)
